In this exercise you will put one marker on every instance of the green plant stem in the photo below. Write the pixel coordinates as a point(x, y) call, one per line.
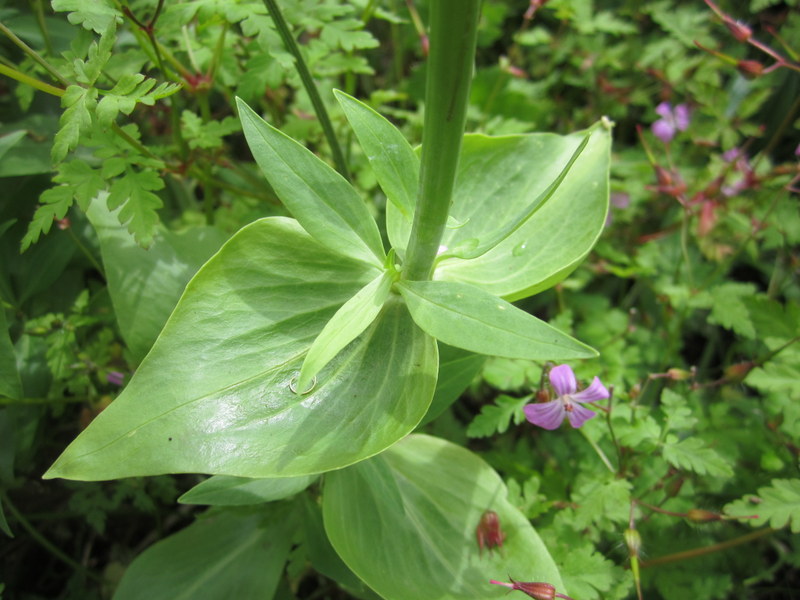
point(310, 86)
point(695, 552)
point(47, 544)
point(33, 54)
point(453, 35)
point(31, 81)
point(599, 451)
point(38, 9)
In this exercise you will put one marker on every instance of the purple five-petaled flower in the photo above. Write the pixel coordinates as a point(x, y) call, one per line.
point(568, 400)
point(671, 122)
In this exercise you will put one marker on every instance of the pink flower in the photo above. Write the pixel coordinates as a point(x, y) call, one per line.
point(671, 122)
point(550, 415)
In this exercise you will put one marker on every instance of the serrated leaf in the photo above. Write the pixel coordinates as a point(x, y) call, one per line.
point(466, 317)
point(692, 454)
point(134, 193)
point(132, 88)
point(54, 204)
point(730, 310)
point(777, 504)
point(586, 572)
point(322, 201)
point(495, 418)
point(776, 376)
point(676, 410)
point(213, 394)
point(405, 521)
point(347, 34)
point(601, 500)
point(206, 135)
point(347, 324)
point(223, 490)
point(96, 15)
point(76, 120)
point(99, 53)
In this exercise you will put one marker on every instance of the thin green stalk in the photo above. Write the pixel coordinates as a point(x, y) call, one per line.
point(33, 54)
point(599, 451)
point(695, 552)
point(453, 34)
point(38, 9)
point(31, 81)
point(310, 86)
point(47, 544)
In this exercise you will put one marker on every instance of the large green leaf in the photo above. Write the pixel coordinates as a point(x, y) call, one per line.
point(497, 180)
point(229, 554)
point(347, 324)
point(405, 523)
point(213, 395)
point(467, 317)
point(145, 285)
point(224, 490)
point(324, 203)
point(457, 369)
point(322, 555)
point(394, 162)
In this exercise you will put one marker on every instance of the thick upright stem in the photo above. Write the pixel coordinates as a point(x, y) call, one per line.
point(453, 33)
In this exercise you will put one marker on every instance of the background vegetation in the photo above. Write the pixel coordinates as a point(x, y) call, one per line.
point(691, 477)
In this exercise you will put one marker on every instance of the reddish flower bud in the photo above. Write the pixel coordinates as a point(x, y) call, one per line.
point(534, 589)
point(488, 532)
point(750, 68)
point(738, 371)
point(739, 30)
point(702, 516)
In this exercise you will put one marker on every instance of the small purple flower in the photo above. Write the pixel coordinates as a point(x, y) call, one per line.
point(671, 122)
point(550, 415)
point(115, 378)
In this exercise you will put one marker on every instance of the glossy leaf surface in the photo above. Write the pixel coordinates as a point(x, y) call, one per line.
point(348, 323)
point(467, 317)
point(323, 202)
point(145, 285)
point(230, 554)
point(224, 490)
point(394, 162)
point(213, 395)
point(405, 523)
point(457, 369)
point(497, 180)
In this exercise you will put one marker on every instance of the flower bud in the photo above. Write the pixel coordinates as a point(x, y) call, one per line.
point(740, 31)
point(633, 540)
point(535, 589)
point(750, 68)
point(738, 371)
point(702, 516)
point(488, 532)
point(679, 374)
